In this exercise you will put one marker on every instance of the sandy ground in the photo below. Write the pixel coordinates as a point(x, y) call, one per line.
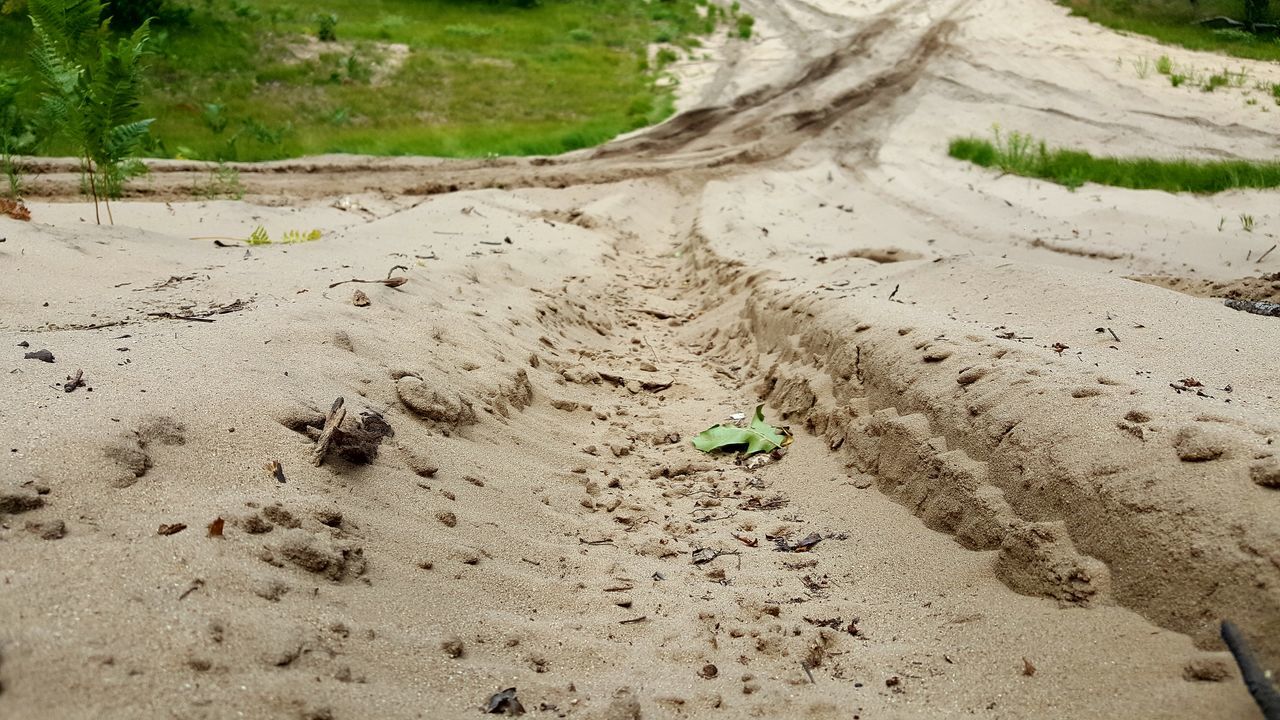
point(1036, 446)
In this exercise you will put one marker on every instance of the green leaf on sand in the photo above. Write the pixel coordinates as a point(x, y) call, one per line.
point(757, 437)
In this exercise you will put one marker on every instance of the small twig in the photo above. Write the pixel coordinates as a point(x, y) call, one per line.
point(195, 585)
point(895, 292)
point(395, 268)
point(642, 618)
point(1113, 334)
point(1264, 255)
point(1255, 678)
point(389, 282)
point(805, 666)
point(606, 541)
point(646, 344)
point(331, 422)
point(74, 381)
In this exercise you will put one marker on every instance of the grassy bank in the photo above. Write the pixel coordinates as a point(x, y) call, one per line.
point(1175, 22)
point(1021, 154)
point(251, 80)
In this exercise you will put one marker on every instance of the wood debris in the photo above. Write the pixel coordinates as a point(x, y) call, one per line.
point(331, 422)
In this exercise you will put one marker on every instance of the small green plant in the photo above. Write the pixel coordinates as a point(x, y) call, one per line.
point(1177, 79)
point(92, 88)
point(224, 182)
point(265, 134)
point(1215, 81)
point(340, 117)
point(1142, 66)
point(326, 27)
point(1246, 222)
point(355, 70)
point(214, 116)
point(1275, 92)
point(745, 26)
point(259, 236)
point(1164, 65)
point(581, 35)
point(665, 57)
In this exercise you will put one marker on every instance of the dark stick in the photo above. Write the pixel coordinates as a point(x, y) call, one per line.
point(895, 292)
point(1113, 334)
point(1264, 255)
point(74, 381)
point(1255, 678)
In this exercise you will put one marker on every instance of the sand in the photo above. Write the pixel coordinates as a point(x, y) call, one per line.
point(1038, 449)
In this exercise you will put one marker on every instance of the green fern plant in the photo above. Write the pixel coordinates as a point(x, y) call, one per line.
point(92, 84)
point(297, 236)
point(16, 137)
point(259, 236)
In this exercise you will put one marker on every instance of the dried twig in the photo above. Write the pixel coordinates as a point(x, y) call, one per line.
point(194, 586)
point(331, 422)
point(74, 381)
point(389, 282)
point(1264, 255)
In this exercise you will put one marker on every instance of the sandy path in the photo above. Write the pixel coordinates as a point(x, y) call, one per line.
point(988, 439)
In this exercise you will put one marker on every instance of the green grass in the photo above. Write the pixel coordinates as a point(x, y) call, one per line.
point(1173, 22)
point(481, 77)
point(1020, 154)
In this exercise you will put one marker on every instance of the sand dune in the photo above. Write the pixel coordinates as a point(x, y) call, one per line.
point(1037, 448)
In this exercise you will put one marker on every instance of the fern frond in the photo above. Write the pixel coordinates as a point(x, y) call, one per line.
point(70, 24)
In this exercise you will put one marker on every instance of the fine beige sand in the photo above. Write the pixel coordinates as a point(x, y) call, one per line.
point(1037, 448)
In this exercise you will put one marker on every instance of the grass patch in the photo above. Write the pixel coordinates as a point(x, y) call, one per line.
point(1021, 154)
point(245, 80)
point(1174, 22)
